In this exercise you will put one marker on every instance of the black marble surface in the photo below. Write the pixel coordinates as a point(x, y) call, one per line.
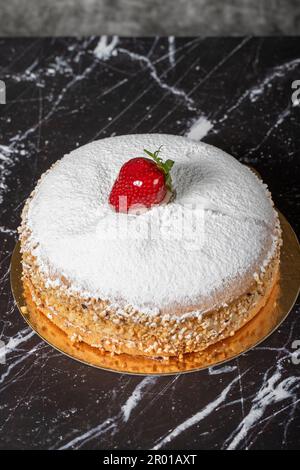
point(61, 94)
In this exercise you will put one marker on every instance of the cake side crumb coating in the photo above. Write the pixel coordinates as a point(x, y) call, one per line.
point(133, 332)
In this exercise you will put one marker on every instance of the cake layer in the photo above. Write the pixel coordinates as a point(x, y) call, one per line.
point(96, 324)
point(200, 252)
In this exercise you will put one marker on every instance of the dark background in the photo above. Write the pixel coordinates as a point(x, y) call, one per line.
point(61, 94)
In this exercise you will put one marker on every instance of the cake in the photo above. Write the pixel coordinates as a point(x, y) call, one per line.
point(173, 279)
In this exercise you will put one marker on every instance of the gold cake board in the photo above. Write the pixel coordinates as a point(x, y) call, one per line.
point(278, 306)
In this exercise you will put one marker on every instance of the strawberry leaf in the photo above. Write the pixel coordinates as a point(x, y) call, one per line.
point(164, 166)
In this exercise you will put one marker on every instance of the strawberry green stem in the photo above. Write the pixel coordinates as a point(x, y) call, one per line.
point(164, 166)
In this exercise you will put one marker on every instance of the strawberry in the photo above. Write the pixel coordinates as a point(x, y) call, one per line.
point(141, 183)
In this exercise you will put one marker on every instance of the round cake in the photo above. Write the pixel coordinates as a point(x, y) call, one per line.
point(170, 280)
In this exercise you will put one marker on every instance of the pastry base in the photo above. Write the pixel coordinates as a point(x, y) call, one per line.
point(267, 314)
point(158, 338)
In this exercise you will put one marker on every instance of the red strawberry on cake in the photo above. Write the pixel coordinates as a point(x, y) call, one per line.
point(142, 183)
